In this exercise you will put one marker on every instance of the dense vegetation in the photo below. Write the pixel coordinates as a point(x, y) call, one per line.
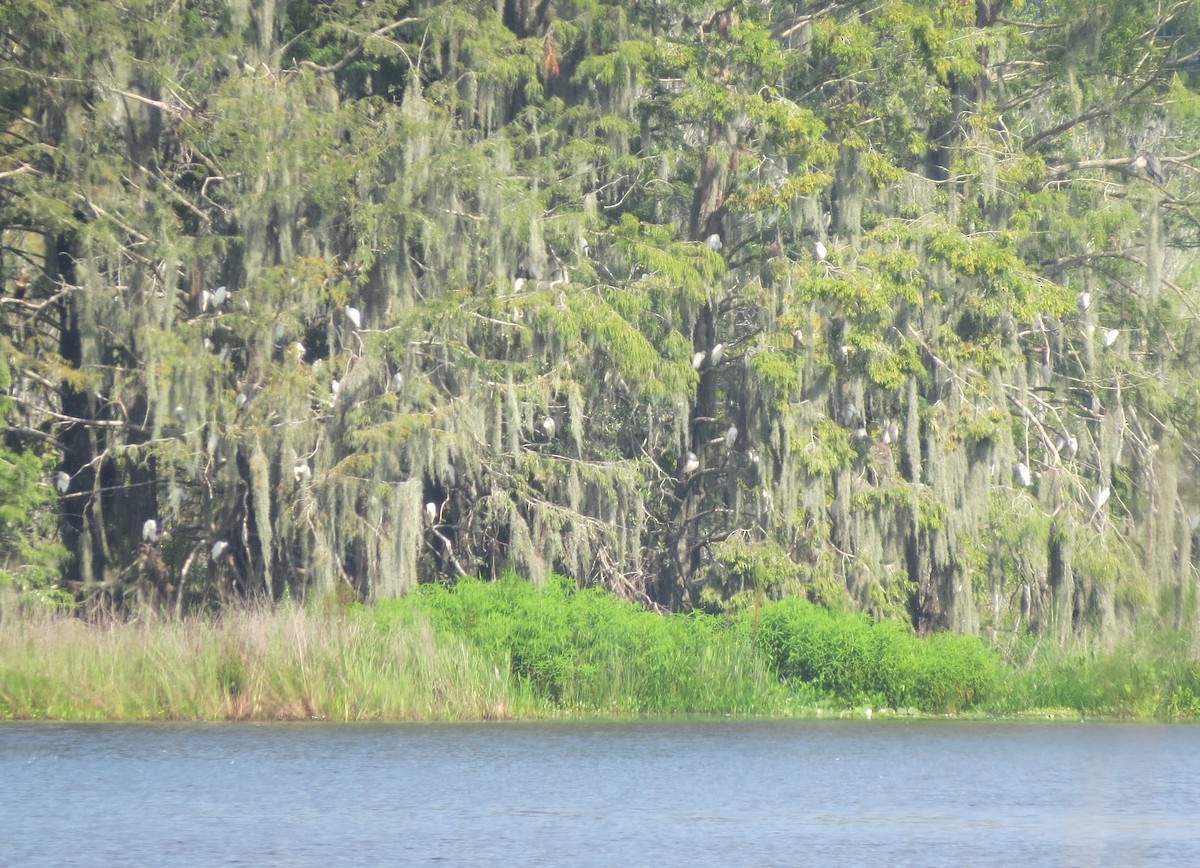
point(884, 305)
point(511, 649)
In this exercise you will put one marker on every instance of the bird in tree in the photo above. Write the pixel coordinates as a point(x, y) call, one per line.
point(1148, 163)
point(150, 530)
point(354, 315)
point(821, 252)
point(690, 464)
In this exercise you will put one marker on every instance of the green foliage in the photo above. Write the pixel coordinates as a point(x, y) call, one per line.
point(878, 663)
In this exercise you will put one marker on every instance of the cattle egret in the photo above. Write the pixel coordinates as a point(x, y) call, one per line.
point(698, 360)
point(731, 436)
point(718, 353)
point(430, 512)
point(860, 433)
point(1047, 372)
point(354, 315)
point(220, 296)
point(1102, 497)
point(691, 463)
point(1110, 337)
point(820, 250)
point(299, 350)
point(886, 436)
point(1072, 444)
point(397, 381)
point(301, 471)
point(150, 530)
point(335, 387)
point(584, 247)
point(62, 481)
point(209, 345)
point(549, 427)
point(1085, 301)
point(849, 414)
point(518, 284)
point(798, 336)
point(1024, 474)
point(219, 548)
point(714, 242)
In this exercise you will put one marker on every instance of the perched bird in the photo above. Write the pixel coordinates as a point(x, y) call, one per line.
point(798, 337)
point(354, 315)
point(430, 512)
point(819, 249)
point(220, 296)
point(62, 481)
point(1148, 163)
point(849, 413)
point(690, 463)
point(1085, 301)
point(219, 548)
point(150, 530)
point(718, 353)
point(584, 247)
point(335, 387)
point(1110, 337)
point(1101, 497)
point(714, 242)
point(241, 400)
point(301, 471)
point(731, 436)
point(698, 360)
point(397, 381)
point(549, 427)
point(518, 284)
point(860, 433)
point(1024, 474)
point(1072, 445)
point(893, 430)
point(299, 350)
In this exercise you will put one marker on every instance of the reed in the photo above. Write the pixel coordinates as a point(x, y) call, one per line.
point(252, 664)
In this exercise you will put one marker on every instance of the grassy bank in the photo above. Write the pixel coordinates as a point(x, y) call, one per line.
point(507, 649)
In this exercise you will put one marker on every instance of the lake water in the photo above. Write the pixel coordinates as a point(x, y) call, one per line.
point(612, 794)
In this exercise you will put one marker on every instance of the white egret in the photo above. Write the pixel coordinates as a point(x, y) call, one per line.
point(1024, 474)
point(354, 315)
point(1072, 445)
point(220, 296)
point(798, 336)
point(714, 242)
point(62, 481)
point(690, 464)
point(1085, 301)
point(820, 250)
point(549, 427)
point(1101, 497)
point(893, 430)
point(1110, 337)
point(731, 436)
point(718, 353)
point(335, 387)
point(241, 400)
point(860, 433)
point(698, 360)
point(150, 530)
point(518, 284)
point(301, 471)
point(219, 548)
point(397, 381)
point(430, 512)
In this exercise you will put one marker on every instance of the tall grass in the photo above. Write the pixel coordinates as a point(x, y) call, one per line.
point(1151, 675)
point(486, 650)
point(287, 664)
